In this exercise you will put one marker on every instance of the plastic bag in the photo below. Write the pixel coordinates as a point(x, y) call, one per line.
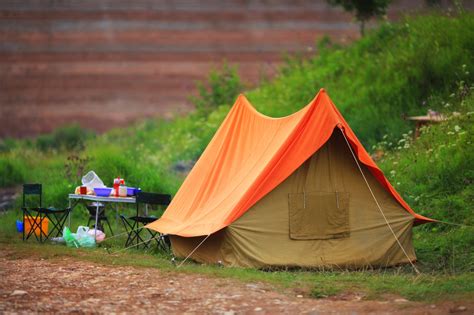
point(79, 239)
point(83, 237)
point(87, 241)
point(82, 231)
point(99, 236)
point(58, 240)
point(70, 238)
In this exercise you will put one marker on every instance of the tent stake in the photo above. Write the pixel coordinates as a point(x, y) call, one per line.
point(377, 203)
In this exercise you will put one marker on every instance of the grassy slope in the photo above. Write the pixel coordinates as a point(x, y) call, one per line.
point(435, 175)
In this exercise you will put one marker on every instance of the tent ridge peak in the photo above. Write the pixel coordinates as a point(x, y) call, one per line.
point(242, 99)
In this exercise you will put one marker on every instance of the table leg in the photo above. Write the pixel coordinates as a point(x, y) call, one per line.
point(96, 220)
point(116, 216)
point(69, 215)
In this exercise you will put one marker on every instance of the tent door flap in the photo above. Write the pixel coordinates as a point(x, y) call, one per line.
point(318, 215)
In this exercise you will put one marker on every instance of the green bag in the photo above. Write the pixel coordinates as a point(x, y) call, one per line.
point(69, 238)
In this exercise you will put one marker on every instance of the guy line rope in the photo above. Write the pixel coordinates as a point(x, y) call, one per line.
point(377, 203)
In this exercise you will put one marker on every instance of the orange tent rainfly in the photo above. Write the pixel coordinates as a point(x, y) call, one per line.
point(288, 191)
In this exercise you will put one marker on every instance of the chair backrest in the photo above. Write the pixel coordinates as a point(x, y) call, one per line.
point(35, 191)
point(147, 198)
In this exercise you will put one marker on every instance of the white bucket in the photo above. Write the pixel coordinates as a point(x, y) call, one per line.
point(91, 181)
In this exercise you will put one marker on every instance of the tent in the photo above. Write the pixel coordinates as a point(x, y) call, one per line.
point(294, 191)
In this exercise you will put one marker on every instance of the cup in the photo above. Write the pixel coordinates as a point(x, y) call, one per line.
point(83, 190)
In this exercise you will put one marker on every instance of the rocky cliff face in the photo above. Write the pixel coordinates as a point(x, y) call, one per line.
point(105, 63)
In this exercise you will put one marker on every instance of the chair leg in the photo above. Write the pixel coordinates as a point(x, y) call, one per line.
point(57, 221)
point(40, 225)
point(33, 221)
point(136, 236)
point(110, 228)
point(55, 225)
point(23, 211)
point(158, 238)
point(139, 239)
point(62, 221)
point(130, 229)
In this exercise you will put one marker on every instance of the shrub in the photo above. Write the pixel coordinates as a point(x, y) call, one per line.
point(221, 88)
point(68, 138)
point(8, 144)
point(12, 171)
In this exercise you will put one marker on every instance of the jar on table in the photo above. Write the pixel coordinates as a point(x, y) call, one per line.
point(122, 191)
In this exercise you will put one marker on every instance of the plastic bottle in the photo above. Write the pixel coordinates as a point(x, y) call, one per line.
point(116, 186)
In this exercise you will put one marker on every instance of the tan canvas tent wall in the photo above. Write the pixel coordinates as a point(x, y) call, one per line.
point(322, 213)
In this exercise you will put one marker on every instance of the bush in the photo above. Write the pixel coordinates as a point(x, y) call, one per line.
point(222, 88)
point(8, 144)
point(12, 171)
point(68, 138)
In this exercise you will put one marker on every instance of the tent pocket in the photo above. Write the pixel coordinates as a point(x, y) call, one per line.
point(319, 215)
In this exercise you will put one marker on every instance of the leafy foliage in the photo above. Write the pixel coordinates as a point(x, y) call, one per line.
point(12, 171)
point(221, 88)
point(363, 10)
point(69, 138)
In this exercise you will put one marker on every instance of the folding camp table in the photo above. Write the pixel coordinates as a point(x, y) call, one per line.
point(74, 199)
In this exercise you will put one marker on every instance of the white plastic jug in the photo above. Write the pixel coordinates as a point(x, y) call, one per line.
point(123, 191)
point(91, 181)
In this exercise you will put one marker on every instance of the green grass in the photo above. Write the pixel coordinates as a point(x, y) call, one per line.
point(372, 284)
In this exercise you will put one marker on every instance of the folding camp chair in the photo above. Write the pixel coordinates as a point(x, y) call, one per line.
point(37, 215)
point(134, 225)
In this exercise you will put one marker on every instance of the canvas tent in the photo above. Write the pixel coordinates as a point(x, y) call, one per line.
point(289, 192)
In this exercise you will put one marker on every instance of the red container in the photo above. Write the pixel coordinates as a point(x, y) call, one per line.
point(83, 190)
point(117, 182)
point(116, 188)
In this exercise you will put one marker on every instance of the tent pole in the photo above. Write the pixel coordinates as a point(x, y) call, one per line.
point(193, 250)
point(376, 202)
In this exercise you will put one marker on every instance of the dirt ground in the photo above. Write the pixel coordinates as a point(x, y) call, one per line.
point(63, 285)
